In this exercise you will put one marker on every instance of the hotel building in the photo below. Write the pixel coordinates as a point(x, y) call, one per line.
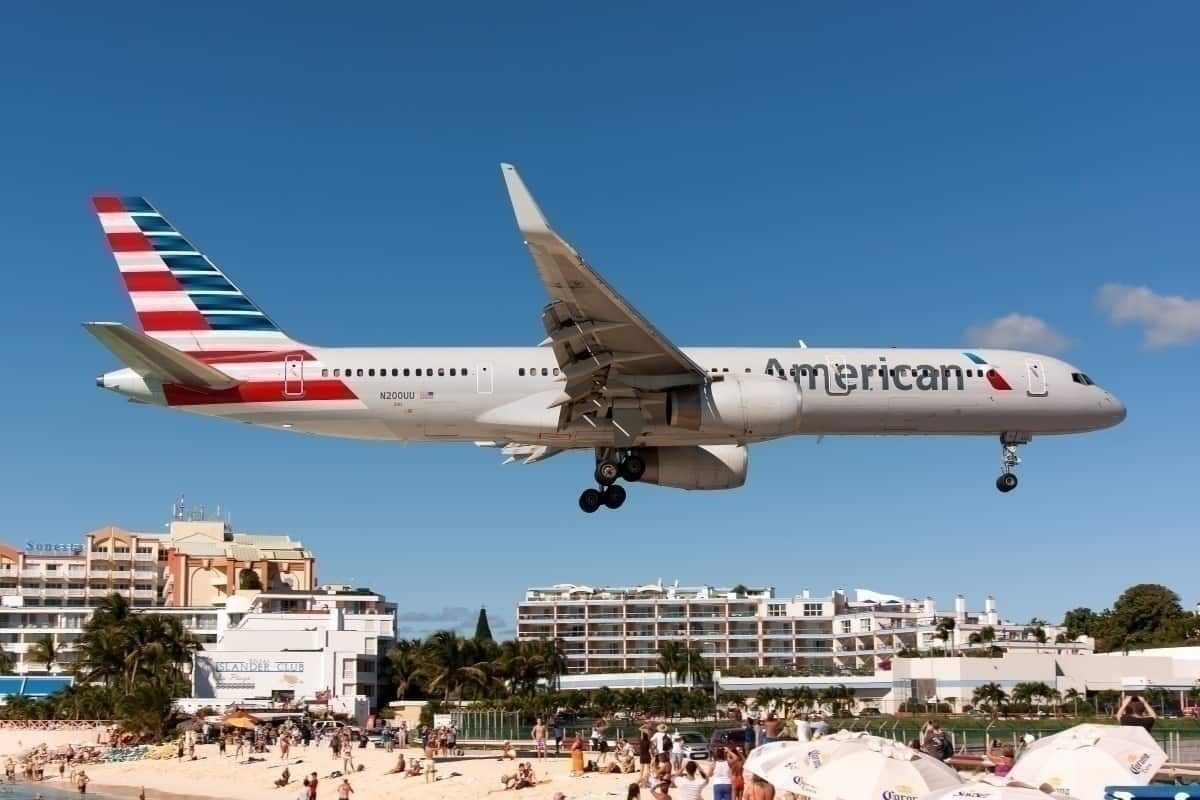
point(619, 629)
point(249, 599)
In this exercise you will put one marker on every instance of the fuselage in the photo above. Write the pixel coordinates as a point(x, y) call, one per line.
point(505, 394)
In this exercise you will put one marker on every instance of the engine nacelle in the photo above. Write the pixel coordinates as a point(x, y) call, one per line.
point(751, 405)
point(711, 466)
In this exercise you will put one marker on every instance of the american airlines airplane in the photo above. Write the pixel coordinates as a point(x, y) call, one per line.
point(604, 379)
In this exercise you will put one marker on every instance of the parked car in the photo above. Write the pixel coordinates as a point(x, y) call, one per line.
point(695, 746)
point(727, 737)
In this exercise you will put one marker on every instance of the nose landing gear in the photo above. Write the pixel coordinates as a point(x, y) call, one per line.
point(1009, 442)
point(610, 466)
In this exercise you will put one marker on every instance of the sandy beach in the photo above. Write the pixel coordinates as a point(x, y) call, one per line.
point(476, 774)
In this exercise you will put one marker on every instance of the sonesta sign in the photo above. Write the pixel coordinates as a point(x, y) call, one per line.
point(53, 549)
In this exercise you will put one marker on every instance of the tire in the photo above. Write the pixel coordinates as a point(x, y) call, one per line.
point(590, 500)
point(614, 496)
point(607, 473)
point(633, 468)
point(1006, 482)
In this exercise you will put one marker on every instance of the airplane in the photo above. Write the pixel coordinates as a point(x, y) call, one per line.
point(604, 378)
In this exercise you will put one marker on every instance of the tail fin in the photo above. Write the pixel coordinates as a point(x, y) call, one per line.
point(179, 295)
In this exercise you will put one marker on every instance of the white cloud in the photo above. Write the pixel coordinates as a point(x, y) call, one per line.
point(1167, 320)
point(1018, 331)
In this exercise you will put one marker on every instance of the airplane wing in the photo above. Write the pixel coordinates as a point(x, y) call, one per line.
point(610, 356)
point(525, 453)
point(157, 360)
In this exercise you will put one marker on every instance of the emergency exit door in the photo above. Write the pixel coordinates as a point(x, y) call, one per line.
point(293, 376)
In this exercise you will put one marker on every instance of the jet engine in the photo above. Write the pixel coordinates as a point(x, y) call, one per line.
point(751, 405)
point(713, 466)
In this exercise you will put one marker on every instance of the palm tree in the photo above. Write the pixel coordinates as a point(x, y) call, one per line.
point(449, 663)
point(801, 698)
point(1073, 697)
point(991, 696)
point(404, 662)
point(670, 656)
point(693, 666)
point(6, 662)
point(765, 700)
point(945, 632)
point(45, 651)
point(987, 635)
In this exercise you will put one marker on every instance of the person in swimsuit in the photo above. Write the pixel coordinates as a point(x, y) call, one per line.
point(737, 780)
point(539, 738)
point(1136, 711)
point(577, 755)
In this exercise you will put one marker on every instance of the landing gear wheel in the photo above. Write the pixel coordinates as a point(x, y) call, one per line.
point(590, 500)
point(607, 473)
point(1006, 482)
point(614, 496)
point(633, 468)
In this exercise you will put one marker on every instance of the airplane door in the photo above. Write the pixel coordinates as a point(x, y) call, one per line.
point(483, 378)
point(1036, 375)
point(838, 382)
point(293, 376)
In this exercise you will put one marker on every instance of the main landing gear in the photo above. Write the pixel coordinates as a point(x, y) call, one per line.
point(610, 466)
point(1009, 442)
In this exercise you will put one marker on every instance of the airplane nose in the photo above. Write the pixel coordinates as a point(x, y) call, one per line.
point(1114, 409)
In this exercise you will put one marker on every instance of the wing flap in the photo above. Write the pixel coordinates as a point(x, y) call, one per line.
point(156, 360)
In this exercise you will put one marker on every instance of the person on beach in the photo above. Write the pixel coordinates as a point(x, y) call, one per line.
point(538, 734)
point(345, 789)
point(241, 748)
point(284, 779)
point(303, 791)
point(1136, 711)
point(430, 770)
point(644, 755)
point(737, 778)
point(691, 782)
point(634, 792)
point(81, 782)
point(399, 768)
point(312, 786)
point(577, 755)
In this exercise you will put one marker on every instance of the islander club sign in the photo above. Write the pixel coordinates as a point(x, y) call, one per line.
point(46, 548)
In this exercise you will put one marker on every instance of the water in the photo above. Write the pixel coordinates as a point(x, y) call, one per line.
point(26, 791)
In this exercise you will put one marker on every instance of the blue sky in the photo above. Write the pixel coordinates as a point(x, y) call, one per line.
point(876, 176)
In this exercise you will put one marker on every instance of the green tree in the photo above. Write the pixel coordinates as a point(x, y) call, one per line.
point(1073, 697)
point(1147, 615)
point(248, 580)
point(990, 696)
point(801, 698)
point(6, 662)
point(45, 651)
point(1080, 622)
point(483, 631)
point(404, 663)
point(449, 664)
point(945, 632)
point(669, 660)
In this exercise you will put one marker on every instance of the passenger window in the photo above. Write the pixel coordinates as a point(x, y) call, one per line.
point(747, 369)
point(545, 372)
point(452, 371)
point(395, 373)
point(324, 373)
point(337, 373)
point(725, 369)
point(418, 372)
point(370, 373)
point(521, 371)
point(441, 372)
point(360, 372)
point(792, 371)
point(464, 371)
point(406, 372)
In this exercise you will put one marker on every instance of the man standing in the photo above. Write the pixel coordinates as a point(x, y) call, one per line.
point(803, 730)
point(312, 786)
point(538, 734)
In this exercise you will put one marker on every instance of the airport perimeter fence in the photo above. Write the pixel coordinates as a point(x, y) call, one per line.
point(1179, 746)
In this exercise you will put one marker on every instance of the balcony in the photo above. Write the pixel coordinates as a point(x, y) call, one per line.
point(54, 592)
point(144, 557)
point(9, 591)
point(35, 572)
point(147, 594)
point(145, 574)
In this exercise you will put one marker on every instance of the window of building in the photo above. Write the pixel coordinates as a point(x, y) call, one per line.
point(864, 625)
point(776, 609)
point(813, 609)
point(845, 626)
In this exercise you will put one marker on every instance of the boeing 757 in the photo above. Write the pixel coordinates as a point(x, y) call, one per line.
point(604, 379)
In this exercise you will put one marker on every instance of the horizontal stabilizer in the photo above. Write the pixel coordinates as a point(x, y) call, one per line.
point(156, 360)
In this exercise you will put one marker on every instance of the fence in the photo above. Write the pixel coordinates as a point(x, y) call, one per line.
point(1180, 747)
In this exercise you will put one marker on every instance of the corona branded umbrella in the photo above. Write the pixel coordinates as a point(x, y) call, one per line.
point(1082, 760)
point(988, 788)
point(785, 768)
point(878, 771)
point(765, 756)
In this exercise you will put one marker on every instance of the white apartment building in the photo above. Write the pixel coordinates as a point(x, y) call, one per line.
point(619, 629)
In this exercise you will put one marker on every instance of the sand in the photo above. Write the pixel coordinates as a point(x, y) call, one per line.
point(476, 774)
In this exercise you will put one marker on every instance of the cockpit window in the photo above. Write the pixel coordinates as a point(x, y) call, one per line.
point(1079, 377)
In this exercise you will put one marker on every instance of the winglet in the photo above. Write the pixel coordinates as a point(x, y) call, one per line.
point(529, 217)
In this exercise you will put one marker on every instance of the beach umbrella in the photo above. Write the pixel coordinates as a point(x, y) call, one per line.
point(880, 770)
point(765, 756)
point(1081, 761)
point(240, 719)
point(785, 768)
point(987, 788)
